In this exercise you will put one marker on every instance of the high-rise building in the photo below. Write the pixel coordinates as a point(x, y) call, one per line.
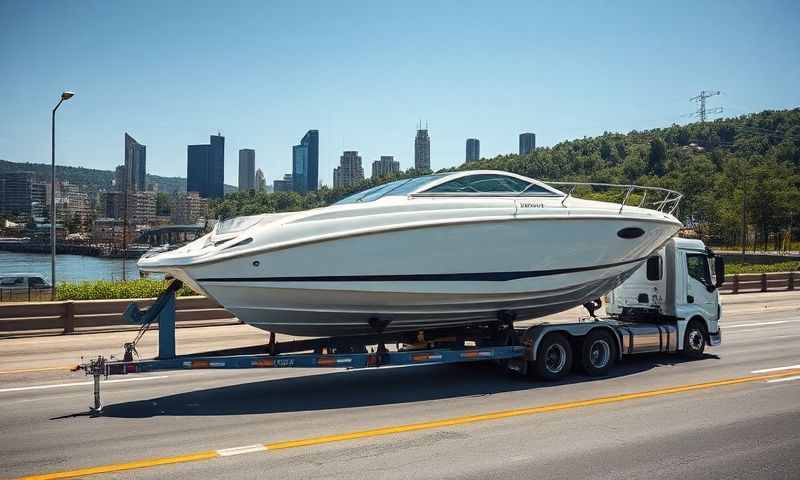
point(261, 181)
point(135, 164)
point(473, 149)
point(205, 168)
point(70, 202)
point(300, 168)
point(527, 143)
point(190, 208)
point(387, 165)
point(422, 150)
point(247, 169)
point(17, 194)
point(305, 163)
point(284, 185)
point(349, 170)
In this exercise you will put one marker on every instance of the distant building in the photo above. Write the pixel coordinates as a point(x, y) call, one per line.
point(140, 205)
point(305, 163)
point(284, 185)
point(17, 194)
point(387, 165)
point(247, 169)
point(135, 165)
point(422, 150)
point(261, 181)
point(120, 179)
point(349, 170)
point(527, 143)
point(112, 230)
point(300, 168)
point(71, 202)
point(473, 149)
point(190, 208)
point(205, 169)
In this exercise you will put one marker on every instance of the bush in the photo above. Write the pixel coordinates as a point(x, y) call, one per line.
point(731, 268)
point(107, 290)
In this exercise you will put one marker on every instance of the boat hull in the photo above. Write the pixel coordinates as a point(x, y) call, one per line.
point(436, 276)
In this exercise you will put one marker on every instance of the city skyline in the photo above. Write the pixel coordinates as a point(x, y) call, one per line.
point(599, 77)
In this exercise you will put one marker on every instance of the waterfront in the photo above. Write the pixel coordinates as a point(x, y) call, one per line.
point(69, 268)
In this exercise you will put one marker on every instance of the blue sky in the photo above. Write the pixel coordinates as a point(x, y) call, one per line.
point(364, 73)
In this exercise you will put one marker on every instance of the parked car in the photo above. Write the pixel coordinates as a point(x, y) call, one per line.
point(20, 287)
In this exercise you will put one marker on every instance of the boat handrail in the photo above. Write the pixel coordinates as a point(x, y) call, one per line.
point(668, 204)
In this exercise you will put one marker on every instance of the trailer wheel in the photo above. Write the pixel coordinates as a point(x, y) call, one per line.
point(553, 358)
point(694, 340)
point(598, 353)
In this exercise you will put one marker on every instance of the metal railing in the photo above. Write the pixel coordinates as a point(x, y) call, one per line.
point(666, 200)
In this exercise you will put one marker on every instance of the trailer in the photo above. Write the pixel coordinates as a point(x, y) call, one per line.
point(670, 305)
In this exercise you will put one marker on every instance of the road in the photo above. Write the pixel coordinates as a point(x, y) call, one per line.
point(658, 417)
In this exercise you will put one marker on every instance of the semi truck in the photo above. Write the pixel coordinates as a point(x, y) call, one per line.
point(669, 305)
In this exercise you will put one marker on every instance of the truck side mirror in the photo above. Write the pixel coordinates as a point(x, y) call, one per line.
point(719, 270)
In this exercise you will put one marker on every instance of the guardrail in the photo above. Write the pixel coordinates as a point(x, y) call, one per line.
point(667, 202)
point(26, 294)
point(760, 282)
point(77, 315)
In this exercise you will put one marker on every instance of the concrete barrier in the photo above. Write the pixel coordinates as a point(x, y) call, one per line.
point(81, 315)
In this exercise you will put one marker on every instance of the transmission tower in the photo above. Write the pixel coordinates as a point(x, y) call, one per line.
point(702, 111)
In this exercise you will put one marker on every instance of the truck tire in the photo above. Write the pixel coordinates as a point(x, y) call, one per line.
point(553, 358)
point(694, 340)
point(598, 353)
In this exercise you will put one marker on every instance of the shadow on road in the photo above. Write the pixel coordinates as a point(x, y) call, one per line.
point(358, 388)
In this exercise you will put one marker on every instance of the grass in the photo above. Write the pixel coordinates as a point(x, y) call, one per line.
point(107, 290)
point(733, 267)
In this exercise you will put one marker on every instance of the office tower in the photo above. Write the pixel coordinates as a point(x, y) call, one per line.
point(247, 169)
point(422, 150)
point(17, 195)
point(305, 163)
point(135, 164)
point(284, 185)
point(527, 143)
point(205, 168)
point(473, 149)
point(300, 168)
point(349, 170)
point(261, 181)
point(385, 166)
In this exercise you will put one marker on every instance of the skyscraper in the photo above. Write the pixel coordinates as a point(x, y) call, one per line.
point(385, 166)
point(135, 165)
point(247, 169)
point(17, 194)
point(349, 170)
point(205, 169)
point(473, 149)
point(305, 163)
point(422, 150)
point(261, 181)
point(527, 143)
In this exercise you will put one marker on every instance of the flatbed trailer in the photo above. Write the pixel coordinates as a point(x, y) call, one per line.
point(671, 304)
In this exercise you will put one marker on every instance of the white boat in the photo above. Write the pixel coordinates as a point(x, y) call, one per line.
point(435, 251)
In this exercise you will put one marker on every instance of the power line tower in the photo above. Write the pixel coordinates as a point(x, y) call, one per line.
point(702, 111)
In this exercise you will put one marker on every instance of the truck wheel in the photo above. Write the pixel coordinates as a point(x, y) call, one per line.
point(694, 340)
point(598, 352)
point(553, 358)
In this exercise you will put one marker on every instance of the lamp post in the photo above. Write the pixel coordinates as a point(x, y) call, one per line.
point(64, 96)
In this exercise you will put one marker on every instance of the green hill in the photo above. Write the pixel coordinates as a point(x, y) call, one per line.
point(728, 169)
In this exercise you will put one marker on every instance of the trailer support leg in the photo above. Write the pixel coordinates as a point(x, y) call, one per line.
point(166, 328)
point(272, 343)
point(98, 407)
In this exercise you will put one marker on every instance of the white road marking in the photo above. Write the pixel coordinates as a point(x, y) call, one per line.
point(229, 452)
point(740, 325)
point(785, 379)
point(776, 369)
point(61, 385)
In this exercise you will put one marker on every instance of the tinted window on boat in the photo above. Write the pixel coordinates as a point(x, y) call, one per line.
point(487, 183)
point(398, 187)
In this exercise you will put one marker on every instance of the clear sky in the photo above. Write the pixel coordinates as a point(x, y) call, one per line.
point(364, 73)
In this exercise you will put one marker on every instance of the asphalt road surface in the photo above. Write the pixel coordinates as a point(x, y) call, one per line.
point(733, 414)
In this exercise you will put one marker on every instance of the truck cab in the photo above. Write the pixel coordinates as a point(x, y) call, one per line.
point(678, 284)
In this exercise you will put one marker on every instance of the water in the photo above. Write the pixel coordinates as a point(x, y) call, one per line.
point(69, 268)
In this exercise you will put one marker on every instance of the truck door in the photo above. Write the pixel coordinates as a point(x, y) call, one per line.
point(700, 291)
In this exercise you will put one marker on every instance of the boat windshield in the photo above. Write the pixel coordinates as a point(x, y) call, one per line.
point(396, 188)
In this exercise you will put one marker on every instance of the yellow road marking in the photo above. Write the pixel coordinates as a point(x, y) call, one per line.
point(28, 370)
point(449, 422)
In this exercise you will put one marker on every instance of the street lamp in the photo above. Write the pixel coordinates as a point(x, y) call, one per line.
point(64, 96)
